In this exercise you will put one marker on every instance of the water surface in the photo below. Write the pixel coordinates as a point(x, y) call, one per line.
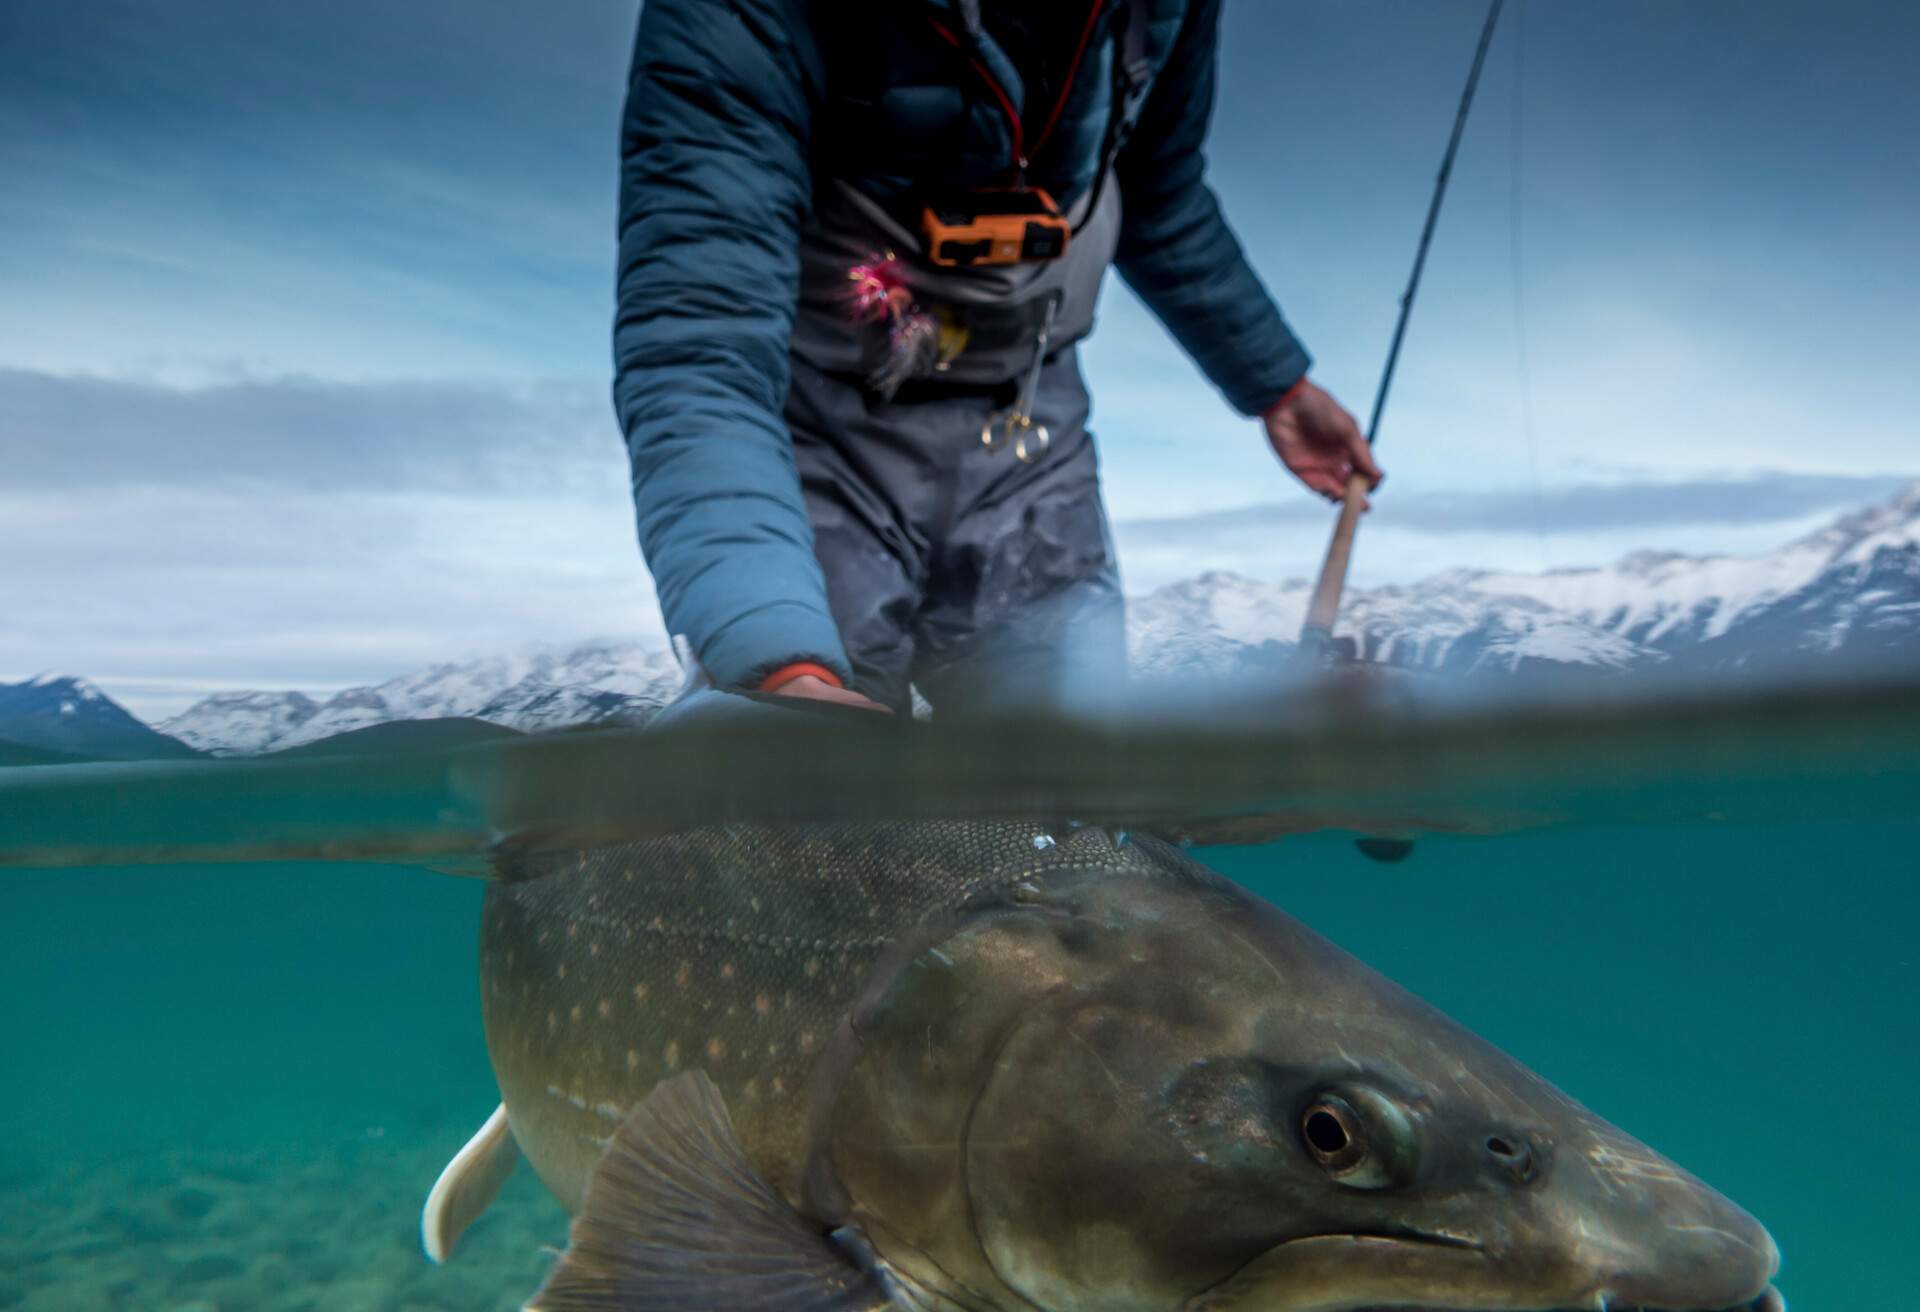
point(229, 1086)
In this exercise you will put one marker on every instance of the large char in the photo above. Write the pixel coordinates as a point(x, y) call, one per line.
point(737, 951)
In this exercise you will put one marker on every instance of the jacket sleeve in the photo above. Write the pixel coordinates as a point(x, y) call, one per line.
point(1176, 250)
point(714, 185)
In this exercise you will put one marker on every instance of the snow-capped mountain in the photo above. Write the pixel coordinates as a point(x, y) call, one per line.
point(530, 691)
point(1853, 584)
point(65, 714)
point(241, 723)
point(1852, 587)
point(1221, 625)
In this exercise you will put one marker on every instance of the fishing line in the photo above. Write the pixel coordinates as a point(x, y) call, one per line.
point(1316, 634)
point(1517, 230)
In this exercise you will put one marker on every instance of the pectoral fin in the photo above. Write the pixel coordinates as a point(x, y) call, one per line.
point(469, 1182)
point(677, 1219)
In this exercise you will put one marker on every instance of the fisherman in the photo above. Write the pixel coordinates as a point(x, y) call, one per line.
point(859, 243)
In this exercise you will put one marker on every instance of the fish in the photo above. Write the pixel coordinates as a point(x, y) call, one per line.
point(981, 1066)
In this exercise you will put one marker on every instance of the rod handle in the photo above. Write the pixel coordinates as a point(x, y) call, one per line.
point(1325, 605)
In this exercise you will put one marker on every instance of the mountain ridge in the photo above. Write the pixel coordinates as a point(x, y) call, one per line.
point(1852, 585)
point(69, 715)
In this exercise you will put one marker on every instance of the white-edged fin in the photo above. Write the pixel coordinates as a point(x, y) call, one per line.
point(677, 1219)
point(469, 1182)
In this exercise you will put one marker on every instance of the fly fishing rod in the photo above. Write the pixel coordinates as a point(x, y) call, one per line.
point(1316, 635)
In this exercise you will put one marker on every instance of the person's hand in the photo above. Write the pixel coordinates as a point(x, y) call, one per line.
point(819, 690)
point(1319, 442)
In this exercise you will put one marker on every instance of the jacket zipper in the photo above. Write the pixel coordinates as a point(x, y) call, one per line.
point(1016, 130)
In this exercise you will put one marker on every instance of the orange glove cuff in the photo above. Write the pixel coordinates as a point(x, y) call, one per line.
point(1285, 397)
point(786, 674)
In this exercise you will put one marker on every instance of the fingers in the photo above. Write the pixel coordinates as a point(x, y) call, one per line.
point(1321, 444)
point(1362, 455)
point(1346, 431)
point(1324, 482)
point(1338, 429)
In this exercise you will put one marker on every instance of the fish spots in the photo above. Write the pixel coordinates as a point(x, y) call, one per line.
point(807, 1040)
point(779, 1086)
point(762, 1006)
point(683, 976)
point(640, 993)
point(812, 967)
point(751, 1090)
point(726, 970)
point(604, 1007)
point(627, 874)
point(672, 1054)
point(576, 1012)
point(633, 1059)
point(593, 948)
point(573, 929)
point(716, 1048)
point(562, 972)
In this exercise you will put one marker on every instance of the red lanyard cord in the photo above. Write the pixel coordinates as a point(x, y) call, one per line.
point(999, 93)
point(1017, 129)
point(1073, 71)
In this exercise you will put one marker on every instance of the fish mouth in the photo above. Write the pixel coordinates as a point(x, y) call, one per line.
point(1314, 1273)
point(1769, 1300)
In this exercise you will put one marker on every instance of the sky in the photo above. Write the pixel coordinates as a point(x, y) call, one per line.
point(304, 313)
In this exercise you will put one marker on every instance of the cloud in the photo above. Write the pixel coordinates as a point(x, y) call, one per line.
point(76, 433)
point(1416, 535)
point(166, 593)
point(1759, 498)
point(300, 533)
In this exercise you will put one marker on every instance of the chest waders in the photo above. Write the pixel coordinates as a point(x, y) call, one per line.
point(958, 516)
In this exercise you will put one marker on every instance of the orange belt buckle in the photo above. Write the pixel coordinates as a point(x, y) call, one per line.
point(1014, 225)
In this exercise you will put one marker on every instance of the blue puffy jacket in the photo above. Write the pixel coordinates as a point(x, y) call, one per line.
point(736, 111)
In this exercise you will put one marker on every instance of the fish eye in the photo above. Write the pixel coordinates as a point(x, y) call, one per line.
point(1330, 1130)
point(1361, 1138)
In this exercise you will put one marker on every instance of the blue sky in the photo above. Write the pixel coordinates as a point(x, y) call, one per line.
point(303, 311)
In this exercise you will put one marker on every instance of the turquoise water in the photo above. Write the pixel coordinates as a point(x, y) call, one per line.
point(229, 1086)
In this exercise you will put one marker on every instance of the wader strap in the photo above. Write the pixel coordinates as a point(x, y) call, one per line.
point(1132, 74)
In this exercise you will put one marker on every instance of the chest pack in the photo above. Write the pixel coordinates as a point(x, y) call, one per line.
point(964, 294)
